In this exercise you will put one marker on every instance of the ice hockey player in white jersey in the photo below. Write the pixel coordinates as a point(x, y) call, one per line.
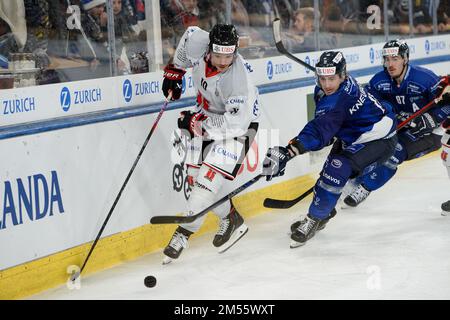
point(221, 126)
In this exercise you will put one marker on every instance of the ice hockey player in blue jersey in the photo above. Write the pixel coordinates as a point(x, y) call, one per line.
point(361, 129)
point(408, 88)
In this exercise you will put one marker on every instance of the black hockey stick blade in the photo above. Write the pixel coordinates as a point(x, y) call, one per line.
point(285, 204)
point(280, 47)
point(189, 219)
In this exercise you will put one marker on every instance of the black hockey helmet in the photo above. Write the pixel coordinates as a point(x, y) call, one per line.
point(331, 63)
point(396, 48)
point(223, 39)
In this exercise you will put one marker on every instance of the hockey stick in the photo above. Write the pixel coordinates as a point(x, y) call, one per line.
point(189, 219)
point(280, 47)
point(285, 204)
point(163, 108)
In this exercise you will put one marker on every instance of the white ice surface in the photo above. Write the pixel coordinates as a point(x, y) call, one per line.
point(396, 245)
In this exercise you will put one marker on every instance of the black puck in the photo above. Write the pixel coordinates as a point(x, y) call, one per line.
point(150, 281)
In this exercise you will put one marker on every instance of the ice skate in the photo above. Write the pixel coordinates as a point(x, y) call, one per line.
point(322, 223)
point(176, 245)
point(357, 196)
point(232, 228)
point(305, 231)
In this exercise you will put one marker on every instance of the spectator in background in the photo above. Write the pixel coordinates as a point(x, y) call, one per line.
point(38, 28)
point(7, 43)
point(285, 10)
point(94, 21)
point(399, 17)
point(444, 16)
point(301, 37)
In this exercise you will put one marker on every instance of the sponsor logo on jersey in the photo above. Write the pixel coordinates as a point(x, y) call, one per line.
point(336, 163)
point(413, 88)
point(30, 199)
point(384, 86)
point(79, 97)
point(332, 179)
point(224, 152)
point(236, 100)
point(18, 105)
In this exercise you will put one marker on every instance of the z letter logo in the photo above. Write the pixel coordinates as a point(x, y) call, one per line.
point(65, 99)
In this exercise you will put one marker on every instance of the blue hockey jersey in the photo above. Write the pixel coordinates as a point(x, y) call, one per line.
point(417, 89)
point(350, 114)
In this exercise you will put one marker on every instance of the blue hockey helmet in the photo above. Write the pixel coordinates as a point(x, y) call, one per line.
point(396, 48)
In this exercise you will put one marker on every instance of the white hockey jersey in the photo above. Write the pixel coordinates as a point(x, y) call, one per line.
point(229, 99)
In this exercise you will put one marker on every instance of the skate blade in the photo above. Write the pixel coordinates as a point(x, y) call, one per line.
point(445, 213)
point(295, 244)
point(235, 237)
point(166, 260)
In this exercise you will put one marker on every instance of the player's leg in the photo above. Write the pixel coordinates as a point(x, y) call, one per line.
point(334, 175)
point(207, 183)
point(408, 148)
point(337, 170)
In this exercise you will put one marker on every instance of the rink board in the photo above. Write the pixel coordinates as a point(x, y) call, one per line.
point(67, 148)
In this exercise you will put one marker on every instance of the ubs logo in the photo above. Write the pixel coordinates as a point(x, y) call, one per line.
point(270, 70)
point(127, 90)
point(65, 99)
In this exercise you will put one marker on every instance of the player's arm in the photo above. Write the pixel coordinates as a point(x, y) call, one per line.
point(193, 45)
point(316, 135)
